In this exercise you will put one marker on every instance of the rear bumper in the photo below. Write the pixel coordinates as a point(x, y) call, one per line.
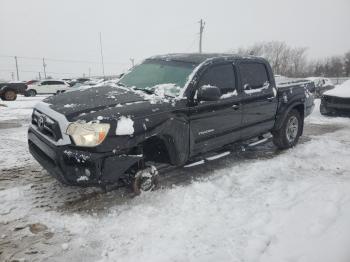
point(335, 106)
point(77, 167)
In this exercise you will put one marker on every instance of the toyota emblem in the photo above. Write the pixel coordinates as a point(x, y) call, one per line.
point(41, 122)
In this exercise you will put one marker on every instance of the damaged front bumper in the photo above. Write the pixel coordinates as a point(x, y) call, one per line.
point(78, 167)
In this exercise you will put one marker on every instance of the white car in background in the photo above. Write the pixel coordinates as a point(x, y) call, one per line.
point(47, 87)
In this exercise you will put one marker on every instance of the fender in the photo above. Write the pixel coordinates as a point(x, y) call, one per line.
point(176, 138)
point(174, 132)
point(281, 116)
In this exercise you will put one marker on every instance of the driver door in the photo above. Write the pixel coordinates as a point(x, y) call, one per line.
point(216, 123)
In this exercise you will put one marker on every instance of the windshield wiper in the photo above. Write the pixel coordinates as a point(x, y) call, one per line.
point(148, 91)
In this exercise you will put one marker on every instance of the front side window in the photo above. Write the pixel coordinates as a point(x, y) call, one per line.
point(221, 76)
point(152, 75)
point(253, 75)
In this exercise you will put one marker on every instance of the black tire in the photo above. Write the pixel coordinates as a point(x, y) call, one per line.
point(288, 135)
point(9, 95)
point(31, 92)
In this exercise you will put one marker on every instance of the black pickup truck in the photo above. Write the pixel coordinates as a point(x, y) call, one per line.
point(9, 91)
point(170, 111)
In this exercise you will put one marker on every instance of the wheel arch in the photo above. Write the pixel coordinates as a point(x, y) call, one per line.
point(299, 106)
point(172, 139)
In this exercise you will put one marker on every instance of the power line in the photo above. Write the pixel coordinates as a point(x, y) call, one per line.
point(63, 60)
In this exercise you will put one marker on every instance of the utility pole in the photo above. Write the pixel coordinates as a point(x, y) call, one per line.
point(89, 72)
point(103, 66)
point(201, 29)
point(39, 76)
point(12, 76)
point(132, 62)
point(44, 65)
point(17, 68)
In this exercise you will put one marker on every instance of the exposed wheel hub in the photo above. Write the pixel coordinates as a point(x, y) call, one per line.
point(145, 180)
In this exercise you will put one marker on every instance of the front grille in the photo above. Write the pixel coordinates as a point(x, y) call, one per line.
point(46, 125)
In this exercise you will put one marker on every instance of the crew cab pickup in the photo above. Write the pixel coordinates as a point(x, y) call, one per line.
point(169, 111)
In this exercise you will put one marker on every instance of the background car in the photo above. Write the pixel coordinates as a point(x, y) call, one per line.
point(9, 91)
point(336, 101)
point(322, 85)
point(47, 87)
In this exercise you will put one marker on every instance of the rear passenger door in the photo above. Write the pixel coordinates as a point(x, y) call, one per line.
point(58, 86)
point(43, 88)
point(259, 101)
point(216, 123)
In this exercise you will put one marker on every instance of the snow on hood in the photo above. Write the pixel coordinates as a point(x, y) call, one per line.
point(342, 90)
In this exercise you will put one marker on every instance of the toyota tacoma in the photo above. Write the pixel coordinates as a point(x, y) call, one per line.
point(170, 111)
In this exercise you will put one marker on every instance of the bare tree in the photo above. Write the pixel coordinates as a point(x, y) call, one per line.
point(284, 60)
point(347, 64)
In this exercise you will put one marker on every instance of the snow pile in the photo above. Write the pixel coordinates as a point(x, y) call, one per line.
point(291, 206)
point(342, 90)
point(125, 126)
point(269, 210)
point(168, 89)
point(70, 105)
point(228, 95)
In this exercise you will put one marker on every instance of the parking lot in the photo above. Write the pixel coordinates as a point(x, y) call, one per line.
point(261, 204)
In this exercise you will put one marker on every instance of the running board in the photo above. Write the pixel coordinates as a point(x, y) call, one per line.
point(261, 140)
point(200, 160)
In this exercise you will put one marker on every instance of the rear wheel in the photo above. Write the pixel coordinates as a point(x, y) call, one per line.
point(144, 180)
point(288, 135)
point(9, 95)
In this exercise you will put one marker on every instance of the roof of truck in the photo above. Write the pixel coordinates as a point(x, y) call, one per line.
point(197, 58)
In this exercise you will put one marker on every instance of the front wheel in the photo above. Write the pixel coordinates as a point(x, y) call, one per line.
point(288, 135)
point(145, 180)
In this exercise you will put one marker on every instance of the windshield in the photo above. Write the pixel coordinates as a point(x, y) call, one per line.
point(152, 75)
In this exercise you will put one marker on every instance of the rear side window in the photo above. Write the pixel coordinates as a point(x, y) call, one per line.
point(221, 76)
point(253, 75)
point(55, 83)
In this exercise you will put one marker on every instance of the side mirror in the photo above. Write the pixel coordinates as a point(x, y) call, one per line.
point(208, 93)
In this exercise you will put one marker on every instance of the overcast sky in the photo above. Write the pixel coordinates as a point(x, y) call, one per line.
point(69, 30)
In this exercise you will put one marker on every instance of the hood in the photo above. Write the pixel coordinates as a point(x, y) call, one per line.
point(342, 90)
point(107, 102)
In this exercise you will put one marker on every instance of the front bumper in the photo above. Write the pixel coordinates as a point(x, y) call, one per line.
point(78, 167)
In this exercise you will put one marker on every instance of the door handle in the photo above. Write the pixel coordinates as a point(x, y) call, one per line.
point(235, 107)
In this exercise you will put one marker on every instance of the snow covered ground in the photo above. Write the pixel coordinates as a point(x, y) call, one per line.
point(257, 205)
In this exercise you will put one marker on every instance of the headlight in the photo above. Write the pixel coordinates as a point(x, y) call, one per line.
point(88, 134)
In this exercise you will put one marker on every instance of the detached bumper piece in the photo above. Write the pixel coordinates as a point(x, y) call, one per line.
point(335, 106)
point(77, 167)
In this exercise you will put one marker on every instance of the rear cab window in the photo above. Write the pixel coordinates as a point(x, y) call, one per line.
point(254, 77)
